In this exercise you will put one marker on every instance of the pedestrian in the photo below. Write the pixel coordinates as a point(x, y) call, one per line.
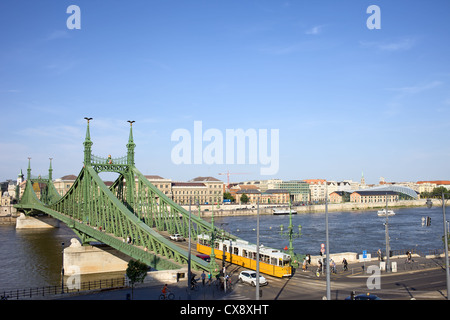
point(203, 278)
point(408, 256)
point(308, 258)
point(304, 265)
point(380, 256)
point(345, 263)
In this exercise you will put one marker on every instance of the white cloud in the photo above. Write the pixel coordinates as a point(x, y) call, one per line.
point(400, 45)
point(314, 30)
point(57, 34)
point(417, 88)
point(396, 105)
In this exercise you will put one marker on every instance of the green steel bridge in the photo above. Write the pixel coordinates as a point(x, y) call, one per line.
point(131, 208)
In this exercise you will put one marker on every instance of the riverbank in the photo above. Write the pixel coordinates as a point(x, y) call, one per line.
point(250, 209)
point(9, 218)
point(243, 210)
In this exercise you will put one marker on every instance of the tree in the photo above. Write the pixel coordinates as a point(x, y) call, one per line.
point(136, 272)
point(244, 198)
point(437, 192)
point(227, 195)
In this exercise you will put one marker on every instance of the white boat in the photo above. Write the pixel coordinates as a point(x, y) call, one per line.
point(382, 213)
point(283, 212)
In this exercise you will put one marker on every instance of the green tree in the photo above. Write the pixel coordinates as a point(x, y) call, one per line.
point(437, 192)
point(136, 272)
point(227, 195)
point(244, 198)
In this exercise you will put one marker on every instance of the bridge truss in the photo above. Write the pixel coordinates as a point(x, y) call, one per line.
point(128, 216)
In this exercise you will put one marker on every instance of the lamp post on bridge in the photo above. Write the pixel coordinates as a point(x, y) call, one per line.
point(290, 234)
point(213, 267)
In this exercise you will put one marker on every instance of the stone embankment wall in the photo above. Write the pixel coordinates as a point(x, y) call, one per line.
point(235, 210)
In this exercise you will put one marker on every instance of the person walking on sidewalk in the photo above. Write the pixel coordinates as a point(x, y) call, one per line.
point(203, 278)
point(345, 263)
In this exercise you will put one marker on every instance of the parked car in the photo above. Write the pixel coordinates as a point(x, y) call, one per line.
point(250, 277)
point(363, 297)
point(205, 257)
point(176, 237)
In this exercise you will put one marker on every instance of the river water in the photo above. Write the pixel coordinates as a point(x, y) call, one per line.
point(348, 231)
point(33, 258)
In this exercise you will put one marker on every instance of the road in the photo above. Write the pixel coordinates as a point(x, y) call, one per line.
point(404, 285)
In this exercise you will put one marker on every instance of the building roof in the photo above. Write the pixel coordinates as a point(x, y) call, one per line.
point(249, 191)
point(154, 177)
point(342, 192)
point(315, 181)
point(69, 177)
point(395, 188)
point(247, 186)
point(188, 184)
point(375, 192)
point(446, 182)
point(205, 179)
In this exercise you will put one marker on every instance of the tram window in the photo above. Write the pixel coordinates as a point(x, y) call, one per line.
point(244, 253)
point(236, 251)
point(216, 245)
point(224, 248)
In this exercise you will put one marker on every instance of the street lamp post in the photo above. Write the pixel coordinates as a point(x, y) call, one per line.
point(257, 251)
point(327, 243)
point(62, 268)
point(447, 272)
point(386, 230)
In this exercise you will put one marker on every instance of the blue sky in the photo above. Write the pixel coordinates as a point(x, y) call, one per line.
point(344, 98)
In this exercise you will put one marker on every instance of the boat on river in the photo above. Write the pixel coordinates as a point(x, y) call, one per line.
point(283, 212)
point(382, 213)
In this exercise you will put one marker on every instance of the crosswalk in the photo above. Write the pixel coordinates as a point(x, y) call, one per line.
point(281, 288)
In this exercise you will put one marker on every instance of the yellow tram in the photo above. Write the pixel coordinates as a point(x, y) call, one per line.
point(271, 261)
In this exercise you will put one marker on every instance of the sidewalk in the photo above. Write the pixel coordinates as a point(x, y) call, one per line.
point(151, 292)
point(360, 268)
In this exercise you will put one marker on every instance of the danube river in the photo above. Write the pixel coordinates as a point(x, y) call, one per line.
point(32, 258)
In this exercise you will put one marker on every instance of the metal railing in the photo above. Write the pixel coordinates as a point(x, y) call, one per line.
point(41, 292)
point(101, 160)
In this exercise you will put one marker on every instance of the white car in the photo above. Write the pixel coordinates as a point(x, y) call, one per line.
point(176, 237)
point(250, 277)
